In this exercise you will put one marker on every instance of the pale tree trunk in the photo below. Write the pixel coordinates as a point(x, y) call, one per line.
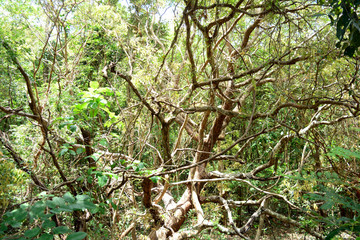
point(261, 223)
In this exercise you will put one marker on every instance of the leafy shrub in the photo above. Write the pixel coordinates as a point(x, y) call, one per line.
point(36, 221)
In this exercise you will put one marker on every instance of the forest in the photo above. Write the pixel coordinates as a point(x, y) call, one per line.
point(166, 119)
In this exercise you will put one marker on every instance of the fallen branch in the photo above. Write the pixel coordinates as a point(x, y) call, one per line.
point(292, 222)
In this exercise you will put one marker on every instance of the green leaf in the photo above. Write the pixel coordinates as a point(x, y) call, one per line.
point(14, 224)
point(111, 175)
point(105, 90)
point(94, 156)
point(139, 167)
point(80, 150)
point(327, 205)
point(341, 26)
point(155, 179)
point(38, 208)
point(89, 205)
point(50, 204)
point(46, 236)
point(64, 209)
point(336, 231)
point(48, 224)
point(114, 206)
point(94, 85)
point(93, 112)
point(56, 210)
point(82, 205)
point(73, 128)
point(63, 151)
point(102, 180)
point(45, 216)
point(32, 233)
point(82, 197)
point(3, 227)
point(19, 214)
point(61, 230)
point(77, 236)
point(62, 125)
point(89, 179)
point(103, 142)
point(68, 197)
point(80, 107)
point(95, 210)
point(58, 201)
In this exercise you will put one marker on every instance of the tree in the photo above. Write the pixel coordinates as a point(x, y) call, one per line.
point(221, 113)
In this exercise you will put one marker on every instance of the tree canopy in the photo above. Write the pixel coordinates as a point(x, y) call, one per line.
point(150, 119)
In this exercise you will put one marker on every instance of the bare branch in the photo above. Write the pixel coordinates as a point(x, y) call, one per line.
point(20, 163)
point(292, 222)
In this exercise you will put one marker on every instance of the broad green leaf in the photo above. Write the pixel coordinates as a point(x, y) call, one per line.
point(108, 123)
point(82, 205)
point(94, 85)
point(95, 210)
point(103, 101)
point(77, 206)
point(342, 25)
point(46, 236)
point(48, 224)
point(3, 227)
point(38, 208)
point(61, 230)
point(56, 210)
point(24, 206)
point(19, 214)
point(82, 197)
point(62, 125)
point(81, 106)
point(80, 150)
point(32, 233)
point(14, 224)
point(111, 114)
point(68, 197)
point(63, 151)
point(89, 179)
point(111, 175)
point(102, 180)
point(95, 156)
point(155, 179)
point(64, 209)
point(114, 206)
point(77, 236)
point(103, 142)
point(93, 112)
point(73, 128)
point(58, 201)
point(45, 216)
point(89, 205)
point(50, 204)
point(139, 167)
point(105, 90)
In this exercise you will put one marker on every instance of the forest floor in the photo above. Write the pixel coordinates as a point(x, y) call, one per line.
point(294, 234)
point(281, 231)
point(288, 236)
